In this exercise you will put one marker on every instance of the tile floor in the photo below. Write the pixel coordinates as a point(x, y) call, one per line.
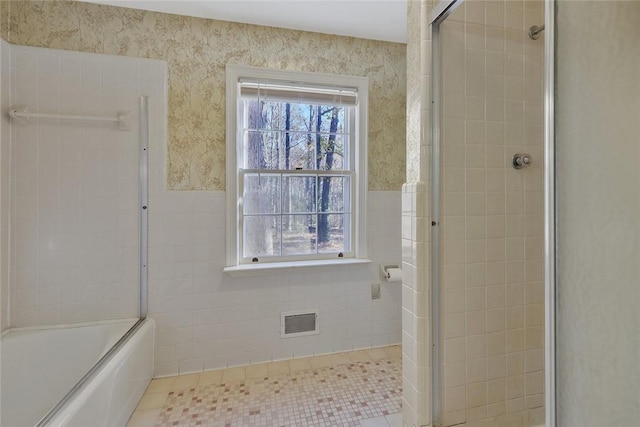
point(358, 388)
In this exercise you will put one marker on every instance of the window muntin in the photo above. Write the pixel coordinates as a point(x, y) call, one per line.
point(296, 170)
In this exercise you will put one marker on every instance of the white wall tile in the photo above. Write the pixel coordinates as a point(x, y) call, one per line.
point(75, 221)
point(187, 242)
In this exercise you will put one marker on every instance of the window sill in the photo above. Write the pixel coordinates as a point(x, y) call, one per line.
point(244, 270)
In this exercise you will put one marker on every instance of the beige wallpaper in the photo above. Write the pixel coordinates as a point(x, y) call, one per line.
point(3, 20)
point(197, 51)
point(414, 81)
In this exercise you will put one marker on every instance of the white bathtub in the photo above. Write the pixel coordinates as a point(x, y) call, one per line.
point(39, 367)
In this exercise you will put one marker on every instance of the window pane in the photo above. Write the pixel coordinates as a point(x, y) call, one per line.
point(303, 117)
point(300, 202)
point(262, 236)
point(298, 234)
point(257, 146)
point(261, 194)
point(281, 150)
point(334, 232)
point(299, 194)
point(281, 135)
point(264, 114)
point(331, 152)
point(263, 150)
point(331, 118)
point(333, 194)
point(298, 151)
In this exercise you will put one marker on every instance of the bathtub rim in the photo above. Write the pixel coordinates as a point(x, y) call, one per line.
point(91, 374)
point(29, 329)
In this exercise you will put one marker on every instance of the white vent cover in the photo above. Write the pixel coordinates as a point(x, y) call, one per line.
point(299, 323)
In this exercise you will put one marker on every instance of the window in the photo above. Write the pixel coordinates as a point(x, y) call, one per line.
point(296, 166)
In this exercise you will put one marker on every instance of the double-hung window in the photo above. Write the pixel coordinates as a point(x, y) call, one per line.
point(296, 146)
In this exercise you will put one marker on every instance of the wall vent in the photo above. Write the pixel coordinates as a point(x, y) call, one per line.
point(299, 323)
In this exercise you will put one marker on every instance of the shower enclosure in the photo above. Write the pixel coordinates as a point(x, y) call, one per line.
point(75, 143)
point(535, 234)
point(487, 212)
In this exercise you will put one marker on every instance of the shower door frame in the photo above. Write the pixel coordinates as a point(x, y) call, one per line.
point(550, 260)
point(440, 12)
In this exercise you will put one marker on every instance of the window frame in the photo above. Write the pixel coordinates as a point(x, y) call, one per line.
point(234, 258)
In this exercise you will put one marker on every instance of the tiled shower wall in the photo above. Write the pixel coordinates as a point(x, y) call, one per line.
point(74, 186)
point(492, 216)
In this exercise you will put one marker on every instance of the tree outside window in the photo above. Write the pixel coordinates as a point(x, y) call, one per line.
point(297, 149)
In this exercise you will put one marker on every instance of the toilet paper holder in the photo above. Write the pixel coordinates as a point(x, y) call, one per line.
point(389, 272)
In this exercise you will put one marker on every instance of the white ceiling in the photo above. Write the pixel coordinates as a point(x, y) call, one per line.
point(371, 19)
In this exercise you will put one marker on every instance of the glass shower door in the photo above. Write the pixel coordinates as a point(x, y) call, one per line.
point(489, 255)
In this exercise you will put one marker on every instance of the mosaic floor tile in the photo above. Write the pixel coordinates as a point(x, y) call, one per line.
point(339, 395)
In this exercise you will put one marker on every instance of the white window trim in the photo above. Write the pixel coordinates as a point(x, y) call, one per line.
point(233, 74)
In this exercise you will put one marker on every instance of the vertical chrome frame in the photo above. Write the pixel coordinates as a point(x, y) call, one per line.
point(550, 214)
point(440, 13)
point(144, 201)
point(436, 405)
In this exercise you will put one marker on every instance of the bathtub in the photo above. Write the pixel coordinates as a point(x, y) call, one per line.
point(39, 367)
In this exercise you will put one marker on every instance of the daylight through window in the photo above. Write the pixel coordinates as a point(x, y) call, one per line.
point(296, 168)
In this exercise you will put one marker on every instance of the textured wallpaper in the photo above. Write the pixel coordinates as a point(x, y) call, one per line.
point(414, 80)
point(197, 51)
